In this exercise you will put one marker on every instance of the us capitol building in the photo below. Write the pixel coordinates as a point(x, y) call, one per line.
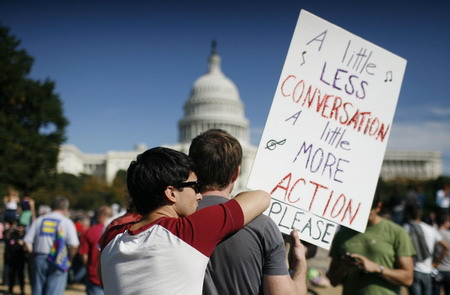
point(214, 102)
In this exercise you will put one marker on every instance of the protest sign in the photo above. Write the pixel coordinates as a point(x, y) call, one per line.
point(324, 141)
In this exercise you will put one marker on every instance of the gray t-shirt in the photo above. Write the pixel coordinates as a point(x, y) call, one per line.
point(43, 230)
point(238, 263)
point(444, 265)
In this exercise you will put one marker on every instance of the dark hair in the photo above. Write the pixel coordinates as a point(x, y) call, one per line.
point(152, 172)
point(413, 212)
point(217, 156)
point(376, 198)
point(60, 203)
point(442, 218)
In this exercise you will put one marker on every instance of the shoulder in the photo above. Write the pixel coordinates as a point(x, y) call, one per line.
point(263, 223)
point(55, 216)
point(426, 226)
point(230, 207)
point(111, 233)
point(389, 224)
point(46, 217)
point(211, 200)
point(399, 237)
point(67, 219)
point(394, 230)
point(431, 230)
point(39, 219)
point(67, 222)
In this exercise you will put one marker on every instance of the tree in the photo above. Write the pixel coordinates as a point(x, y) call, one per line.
point(119, 188)
point(32, 124)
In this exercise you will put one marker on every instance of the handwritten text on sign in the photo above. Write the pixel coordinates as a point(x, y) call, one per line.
point(325, 137)
point(311, 228)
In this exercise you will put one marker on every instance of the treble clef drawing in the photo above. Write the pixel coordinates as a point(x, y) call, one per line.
point(272, 144)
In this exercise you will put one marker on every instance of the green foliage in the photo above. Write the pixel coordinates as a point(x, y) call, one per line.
point(85, 192)
point(119, 188)
point(32, 124)
point(397, 188)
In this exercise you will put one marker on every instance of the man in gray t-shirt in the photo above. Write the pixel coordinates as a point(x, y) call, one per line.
point(47, 277)
point(253, 260)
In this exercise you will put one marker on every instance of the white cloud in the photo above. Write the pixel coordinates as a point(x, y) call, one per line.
point(440, 111)
point(426, 136)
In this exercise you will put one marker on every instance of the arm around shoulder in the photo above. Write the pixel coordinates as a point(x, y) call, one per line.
point(253, 203)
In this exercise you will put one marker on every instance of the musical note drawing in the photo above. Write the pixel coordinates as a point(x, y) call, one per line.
point(272, 144)
point(388, 74)
point(303, 57)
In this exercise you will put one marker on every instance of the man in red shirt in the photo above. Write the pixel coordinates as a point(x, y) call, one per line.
point(90, 252)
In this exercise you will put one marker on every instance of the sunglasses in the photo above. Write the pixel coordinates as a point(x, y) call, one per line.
point(196, 185)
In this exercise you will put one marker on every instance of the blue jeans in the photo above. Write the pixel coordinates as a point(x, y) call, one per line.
point(422, 284)
point(47, 278)
point(92, 289)
point(445, 282)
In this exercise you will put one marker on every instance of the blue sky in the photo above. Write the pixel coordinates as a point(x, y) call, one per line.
point(124, 69)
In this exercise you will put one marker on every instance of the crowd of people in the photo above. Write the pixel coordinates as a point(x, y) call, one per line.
point(164, 235)
point(400, 247)
point(45, 249)
point(182, 233)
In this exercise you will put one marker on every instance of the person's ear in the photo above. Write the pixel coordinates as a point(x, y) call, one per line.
point(236, 174)
point(379, 207)
point(170, 194)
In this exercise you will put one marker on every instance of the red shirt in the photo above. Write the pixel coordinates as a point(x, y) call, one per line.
point(169, 255)
point(89, 246)
point(128, 217)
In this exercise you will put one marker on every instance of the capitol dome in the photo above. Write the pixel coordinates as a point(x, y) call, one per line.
point(214, 102)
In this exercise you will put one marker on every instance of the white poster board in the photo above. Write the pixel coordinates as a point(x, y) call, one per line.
point(324, 141)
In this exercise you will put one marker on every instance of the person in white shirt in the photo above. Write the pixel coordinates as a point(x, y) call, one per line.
point(443, 199)
point(167, 251)
point(49, 278)
point(425, 239)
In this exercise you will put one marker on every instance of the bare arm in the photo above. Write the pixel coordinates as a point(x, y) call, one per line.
point(444, 250)
point(284, 284)
point(29, 247)
point(253, 203)
point(32, 208)
point(72, 252)
point(402, 274)
point(84, 258)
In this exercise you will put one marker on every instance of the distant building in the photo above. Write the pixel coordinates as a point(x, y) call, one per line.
point(411, 164)
point(214, 102)
point(72, 160)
